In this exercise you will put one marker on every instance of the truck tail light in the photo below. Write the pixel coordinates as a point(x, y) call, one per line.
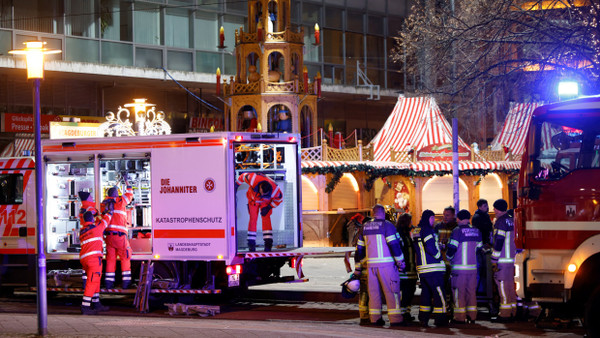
point(572, 267)
point(292, 139)
point(239, 138)
point(295, 261)
point(233, 269)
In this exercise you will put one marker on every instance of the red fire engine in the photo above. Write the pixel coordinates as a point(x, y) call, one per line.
point(558, 214)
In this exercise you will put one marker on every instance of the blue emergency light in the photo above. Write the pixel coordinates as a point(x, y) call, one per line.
point(568, 89)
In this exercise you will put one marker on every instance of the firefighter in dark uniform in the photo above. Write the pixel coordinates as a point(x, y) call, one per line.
point(465, 242)
point(408, 278)
point(379, 245)
point(503, 261)
point(431, 270)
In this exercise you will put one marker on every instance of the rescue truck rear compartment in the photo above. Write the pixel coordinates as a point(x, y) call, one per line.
point(186, 207)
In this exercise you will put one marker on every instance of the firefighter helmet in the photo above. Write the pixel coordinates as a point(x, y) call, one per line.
point(88, 216)
point(350, 288)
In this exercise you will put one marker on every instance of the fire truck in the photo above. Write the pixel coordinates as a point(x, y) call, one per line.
point(558, 214)
point(188, 219)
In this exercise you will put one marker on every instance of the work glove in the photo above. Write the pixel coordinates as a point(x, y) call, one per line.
point(264, 211)
point(401, 266)
point(495, 267)
point(109, 205)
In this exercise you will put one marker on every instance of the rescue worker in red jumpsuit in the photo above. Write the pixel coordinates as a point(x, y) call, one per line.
point(503, 261)
point(379, 246)
point(465, 242)
point(90, 257)
point(116, 234)
point(87, 204)
point(263, 195)
point(431, 270)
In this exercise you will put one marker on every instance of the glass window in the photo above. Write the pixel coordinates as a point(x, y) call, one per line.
point(360, 4)
point(375, 51)
point(351, 75)
point(377, 76)
point(206, 31)
point(179, 61)
point(209, 4)
point(39, 15)
point(6, 42)
point(312, 53)
point(333, 75)
point(81, 19)
point(394, 25)
point(230, 65)
point(207, 62)
point(354, 48)
point(354, 21)
point(148, 58)
point(117, 53)
point(376, 25)
point(238, 6)
point(5, 14)
point(177, 28)
point(147, 24)
point(294, 12)
point(52, 43)
point(11, 189)
point(378, 5)
point(562, 146)
point(335, 2)
point(311, 14)
point(115, 20)
point(397, 8)
point(334, 17)
point(392, 44)
point(396, 80)
point(230, 24)
point(333, 46)
point(83, 50)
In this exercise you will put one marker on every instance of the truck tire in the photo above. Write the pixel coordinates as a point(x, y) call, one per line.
point(592, 314)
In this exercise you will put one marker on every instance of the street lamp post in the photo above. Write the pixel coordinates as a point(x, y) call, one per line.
point(34, 56)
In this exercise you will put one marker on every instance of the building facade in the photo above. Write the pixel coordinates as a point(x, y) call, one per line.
point(114, 51)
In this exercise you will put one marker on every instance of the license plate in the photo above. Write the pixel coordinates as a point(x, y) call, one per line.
point(234, 280)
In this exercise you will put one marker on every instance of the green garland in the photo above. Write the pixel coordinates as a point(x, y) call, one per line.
point(374, 173)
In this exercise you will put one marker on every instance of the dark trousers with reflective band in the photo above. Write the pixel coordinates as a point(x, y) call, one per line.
point(505, 280)
point(432, 293)
point(363, 296)
point(408, 287)
point(384, 279)
point(464, 294)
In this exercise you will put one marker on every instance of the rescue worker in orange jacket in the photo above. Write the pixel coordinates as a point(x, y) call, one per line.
point(90, 257)
point(263, 195)
point(87, 204)
point(117, 242)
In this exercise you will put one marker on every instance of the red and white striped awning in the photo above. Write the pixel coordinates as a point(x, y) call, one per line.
point(17, 147)
point(421, 166)
point(515, 127)
point(415, 122)
point(353, 164)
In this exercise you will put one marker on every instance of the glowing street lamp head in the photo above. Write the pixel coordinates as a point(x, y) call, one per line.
point(34, 55)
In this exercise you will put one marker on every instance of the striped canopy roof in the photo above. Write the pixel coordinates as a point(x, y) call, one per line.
point(421, 166)
point(515, 127)
point(18, 146)
point(415, 122)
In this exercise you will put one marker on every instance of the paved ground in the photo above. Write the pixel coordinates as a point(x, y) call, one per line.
point(301, 319)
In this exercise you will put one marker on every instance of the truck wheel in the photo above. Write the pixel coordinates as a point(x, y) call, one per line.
point(592, 314)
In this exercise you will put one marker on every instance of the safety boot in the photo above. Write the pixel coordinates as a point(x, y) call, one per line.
point(251, 245)
point(88, 311)
point(99, 307)
point(268, 244)
point(109, 284)
point(126, 284)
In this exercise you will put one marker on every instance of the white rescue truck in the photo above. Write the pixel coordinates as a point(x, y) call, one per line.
point(187, 224)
